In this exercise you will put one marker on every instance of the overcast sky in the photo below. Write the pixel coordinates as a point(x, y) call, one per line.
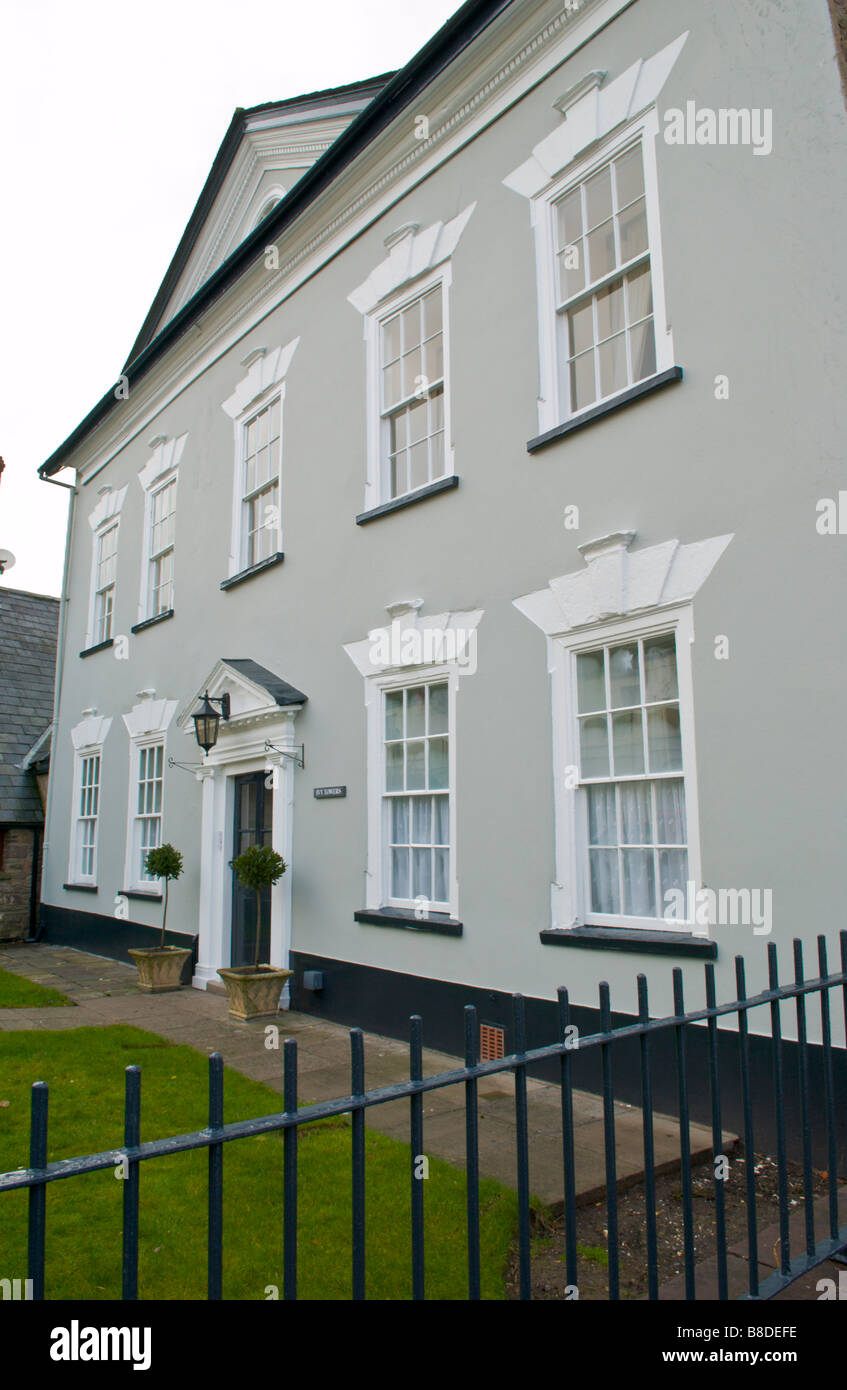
point(110, 117)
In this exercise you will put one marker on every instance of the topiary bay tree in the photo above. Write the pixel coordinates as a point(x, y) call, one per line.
point(164, 862)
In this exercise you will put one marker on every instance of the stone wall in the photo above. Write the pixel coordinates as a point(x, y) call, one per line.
point(15, 882)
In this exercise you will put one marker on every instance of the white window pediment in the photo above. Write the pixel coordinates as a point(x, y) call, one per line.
point(617, 582)
point(165, 457)
point(413, 641)
point(266, 370)
point(109, 506)
point(592, 111)
point(412, 255)
point(91, 731)
point(258, 710)
point(149, 718)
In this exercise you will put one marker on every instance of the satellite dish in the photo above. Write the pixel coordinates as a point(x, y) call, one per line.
point(7, 560)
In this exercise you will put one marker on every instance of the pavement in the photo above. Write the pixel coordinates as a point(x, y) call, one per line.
point(105, 992)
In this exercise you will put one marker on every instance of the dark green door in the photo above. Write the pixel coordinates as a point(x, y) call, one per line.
point(252, 826)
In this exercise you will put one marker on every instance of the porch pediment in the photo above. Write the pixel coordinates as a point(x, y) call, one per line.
point(257, 695)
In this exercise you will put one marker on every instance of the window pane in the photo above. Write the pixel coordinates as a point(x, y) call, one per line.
point(438, 708)
point(418, 465)
point(639, 294)
point(583, 387)
point(400, 873)
point(594, 748)
point(601, 251)
point(633, 231)
point(610, 311)
point(673, 870)
point(394, 767)
point(394, 714)
point(415, 711)
point(422, 873)
point(412, 372)
point(421, 820)
point(391, 340)
point(432, 313)
point(571, 270)
point(392, 379)
point(642, 346)
point(605, 892)
point(598, 198)
point(400, 820)
point(629, 177)
point(639, 885)
point(415, 765)
point(613, 369)
point(663, 739)
point(628, 743)
point(438, 774)
point(418, 417)
point(441, 820)
point(624, 678)
point(434, 359)
point(602, 816)
point(582, 328)
point(591, 684)
point(636, 814)
point(660, 668)
point(440, 890)
point(569, 214)
point(670, 813)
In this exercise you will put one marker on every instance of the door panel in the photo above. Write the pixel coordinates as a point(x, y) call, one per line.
point(253, 825)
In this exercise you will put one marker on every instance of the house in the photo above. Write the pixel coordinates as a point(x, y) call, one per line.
point(28, 627)
point(476, 451)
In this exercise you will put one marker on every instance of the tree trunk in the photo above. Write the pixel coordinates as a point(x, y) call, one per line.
point(164, 917)
point(258, 927)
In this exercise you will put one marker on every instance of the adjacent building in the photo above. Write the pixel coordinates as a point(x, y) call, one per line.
point(28, 625)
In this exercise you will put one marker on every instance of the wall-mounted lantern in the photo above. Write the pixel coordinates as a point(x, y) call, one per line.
point(207, 720)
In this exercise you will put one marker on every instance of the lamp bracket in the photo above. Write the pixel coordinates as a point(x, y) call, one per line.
point(187, 767)
point(298, 753)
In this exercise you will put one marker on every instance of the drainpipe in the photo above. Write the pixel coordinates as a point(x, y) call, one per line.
point(60, 664)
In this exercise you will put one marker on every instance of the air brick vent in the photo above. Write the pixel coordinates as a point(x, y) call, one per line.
point(492, 1043)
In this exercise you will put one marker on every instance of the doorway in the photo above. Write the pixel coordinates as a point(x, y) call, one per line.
point(252, 825)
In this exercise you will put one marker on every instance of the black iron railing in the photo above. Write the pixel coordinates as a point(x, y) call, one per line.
point(644, 1030)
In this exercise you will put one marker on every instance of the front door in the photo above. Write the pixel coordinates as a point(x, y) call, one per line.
point(252, 826)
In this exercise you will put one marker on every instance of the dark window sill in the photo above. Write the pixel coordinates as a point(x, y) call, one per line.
point(409, 499)
point(437, 922)
point(139, 895)
point(151, 622)
point(657, 943)
point(101, 647)
point(239, 578)
point(596, 412)
point(80, 887)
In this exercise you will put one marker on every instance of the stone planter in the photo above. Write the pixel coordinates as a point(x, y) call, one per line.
point(254, 991)
point(159, 968)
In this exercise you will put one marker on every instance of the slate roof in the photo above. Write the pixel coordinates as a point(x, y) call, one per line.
point(28, 629)
point(278, 689)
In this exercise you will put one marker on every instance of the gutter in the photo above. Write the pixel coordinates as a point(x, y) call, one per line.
point(57, 689)
point(451, 40)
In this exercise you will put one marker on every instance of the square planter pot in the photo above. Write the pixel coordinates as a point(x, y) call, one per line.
point(159, 968)
point(254, 992)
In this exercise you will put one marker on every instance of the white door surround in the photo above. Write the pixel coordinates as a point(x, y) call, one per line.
point(263, 709)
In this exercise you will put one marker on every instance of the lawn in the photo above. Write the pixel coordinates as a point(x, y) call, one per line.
point(85, 1071)
point(19, 993)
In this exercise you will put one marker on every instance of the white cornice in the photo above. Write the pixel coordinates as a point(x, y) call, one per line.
point(516, 63)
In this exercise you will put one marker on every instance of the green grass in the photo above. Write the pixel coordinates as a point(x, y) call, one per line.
point(85, 1071)
point(19, 993)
